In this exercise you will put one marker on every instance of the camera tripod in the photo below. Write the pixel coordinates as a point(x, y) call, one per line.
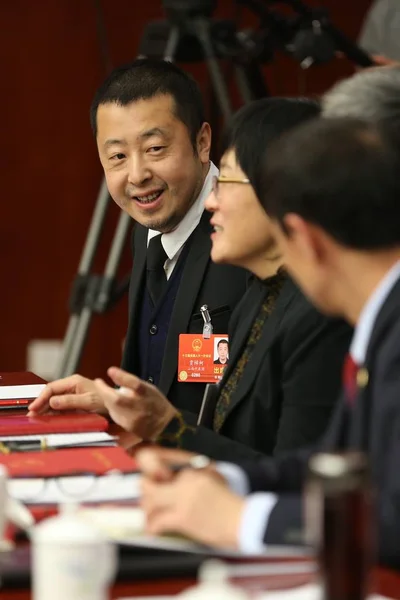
point(189, 34)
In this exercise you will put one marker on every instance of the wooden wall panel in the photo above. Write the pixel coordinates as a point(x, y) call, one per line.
point(50, 174)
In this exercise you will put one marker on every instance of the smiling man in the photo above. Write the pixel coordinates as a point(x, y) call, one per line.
point(154, 170)
point(154, 146)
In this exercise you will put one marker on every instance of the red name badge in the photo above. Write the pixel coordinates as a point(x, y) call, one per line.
point(202, 359)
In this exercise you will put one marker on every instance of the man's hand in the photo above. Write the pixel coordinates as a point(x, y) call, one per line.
point(155, 463)
point(74, 392)
point(379, 63)
point(137, 406)
point(384, 61)
point(196, 504)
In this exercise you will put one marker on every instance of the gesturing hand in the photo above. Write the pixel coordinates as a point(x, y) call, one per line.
point(137, 406)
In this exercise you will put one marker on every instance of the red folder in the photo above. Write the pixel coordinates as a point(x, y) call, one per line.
point(74, 461)
point(15, 404)
point(59, 423)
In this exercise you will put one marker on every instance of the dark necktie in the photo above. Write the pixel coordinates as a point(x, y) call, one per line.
point(156, 279)
point(349, 376)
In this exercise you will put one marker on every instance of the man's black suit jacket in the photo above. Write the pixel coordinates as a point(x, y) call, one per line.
point(288, 389)
point(371, 424)
point(219, 286)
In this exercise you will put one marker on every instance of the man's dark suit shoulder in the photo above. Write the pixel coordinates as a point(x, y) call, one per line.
point(304, 326)
point(371, 425)
point(219, 286)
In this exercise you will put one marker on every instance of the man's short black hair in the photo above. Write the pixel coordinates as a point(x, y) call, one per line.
point(222, 342)
point(340, 174)
point(146, 78)
point(259, 123)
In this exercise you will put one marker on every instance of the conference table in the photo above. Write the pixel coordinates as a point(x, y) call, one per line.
point(383, 581)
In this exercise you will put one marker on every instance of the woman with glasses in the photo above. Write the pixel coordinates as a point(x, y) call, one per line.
point(285, 358)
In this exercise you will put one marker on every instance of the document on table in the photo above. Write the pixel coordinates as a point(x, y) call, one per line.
point(11, 392)
point(160, 542)
point(54, 440)
point(126, 526)
point(85, 488)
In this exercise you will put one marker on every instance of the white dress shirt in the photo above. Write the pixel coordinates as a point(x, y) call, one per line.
point(380, 30)
point(174, 241)
point(369, 313)
point(258, 507)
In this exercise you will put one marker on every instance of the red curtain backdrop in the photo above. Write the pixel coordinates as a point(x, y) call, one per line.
point(51, 64)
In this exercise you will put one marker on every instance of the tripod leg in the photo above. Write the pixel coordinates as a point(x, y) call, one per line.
point(71, 360)
point(67, 344)
point(242, 85)
point(172, 44)
point(251, 81)
point(79, 322)
point(99, 298)
point(85, 265)
point(110, 272)
point(202, 31)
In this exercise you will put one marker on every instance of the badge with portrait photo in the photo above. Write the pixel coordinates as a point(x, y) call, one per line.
point(202, 359)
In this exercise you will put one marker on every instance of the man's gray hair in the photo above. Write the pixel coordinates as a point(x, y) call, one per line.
point(373, 95)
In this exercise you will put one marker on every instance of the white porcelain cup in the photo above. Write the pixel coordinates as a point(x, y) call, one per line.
point(71, 559)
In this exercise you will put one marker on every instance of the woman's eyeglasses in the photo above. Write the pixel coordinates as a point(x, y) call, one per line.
point(216, 182)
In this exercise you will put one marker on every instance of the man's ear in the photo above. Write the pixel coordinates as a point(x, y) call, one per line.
point(203, 143)
point(307, 239)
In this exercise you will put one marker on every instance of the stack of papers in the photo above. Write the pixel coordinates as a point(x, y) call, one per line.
point(17, 392)
point(56, 440)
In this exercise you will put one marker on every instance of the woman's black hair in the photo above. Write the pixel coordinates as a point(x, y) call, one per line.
point(255, 126)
